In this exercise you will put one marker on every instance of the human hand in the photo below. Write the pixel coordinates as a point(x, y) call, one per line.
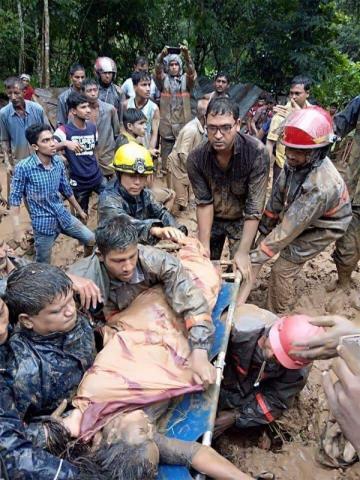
point(343, 397)
point(168, 233)
point(204, 371)
point(281, 110)
point(185, 51)
point(155, 152)
point(324, 346)
point(242, 263)
point(294, 105)
point(224, 420)
point(74, 146)
point(89, 292)
point(4, 322)
point(83, 216)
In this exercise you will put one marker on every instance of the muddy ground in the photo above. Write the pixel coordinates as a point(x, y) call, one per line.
point(288, 448)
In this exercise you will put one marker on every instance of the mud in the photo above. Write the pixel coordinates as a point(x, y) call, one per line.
point(288, 448)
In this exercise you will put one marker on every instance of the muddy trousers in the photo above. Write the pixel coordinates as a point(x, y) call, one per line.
point(347, 251)
point(222, 229)
point(182, 190)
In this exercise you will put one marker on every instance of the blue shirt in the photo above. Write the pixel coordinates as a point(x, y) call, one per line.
point(13, 126)
point(41, 187)
point(83, 167)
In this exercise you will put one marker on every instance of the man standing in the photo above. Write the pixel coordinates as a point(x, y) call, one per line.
point(78, 138)
point(142, 101)
point(347, 253)
point(175, 87)
point(229, 176)
point(40, 179)
point(298, 98)
point(109, 92)
point(105, 117)
point(221, 86)
point(190, 136)
point(309, 207)
point(15, 118)
point(77, 76)
point(141, 65)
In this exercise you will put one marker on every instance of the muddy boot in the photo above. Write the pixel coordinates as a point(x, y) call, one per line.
point(343, 281)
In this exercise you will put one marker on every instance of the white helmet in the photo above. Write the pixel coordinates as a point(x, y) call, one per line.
point(105, 64)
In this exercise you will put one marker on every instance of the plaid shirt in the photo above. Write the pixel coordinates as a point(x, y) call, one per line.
point(40, 187)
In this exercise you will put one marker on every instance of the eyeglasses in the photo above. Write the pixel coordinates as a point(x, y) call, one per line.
point(223, 129)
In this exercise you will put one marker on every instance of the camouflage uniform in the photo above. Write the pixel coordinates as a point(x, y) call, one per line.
point(154, 266)
point(257, 399)
point(309, 208)
point(347, 253)
point(142, 210)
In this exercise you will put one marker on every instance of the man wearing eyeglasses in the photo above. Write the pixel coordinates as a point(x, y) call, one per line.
point(229, 175)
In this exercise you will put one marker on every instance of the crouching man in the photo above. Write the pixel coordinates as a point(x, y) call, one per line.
point(263, 373)
point(127, 195)
point(123, 269)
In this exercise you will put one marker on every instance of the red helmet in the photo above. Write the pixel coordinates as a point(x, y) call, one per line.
point(287, 330)
point(105, 64)
point(310, 127)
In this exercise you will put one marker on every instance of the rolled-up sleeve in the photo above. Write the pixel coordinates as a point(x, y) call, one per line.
point(258, 180)
point(199, 183)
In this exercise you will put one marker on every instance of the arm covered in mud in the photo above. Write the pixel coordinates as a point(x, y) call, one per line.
point(271, 399)
point(182, 295)
point(346, 120)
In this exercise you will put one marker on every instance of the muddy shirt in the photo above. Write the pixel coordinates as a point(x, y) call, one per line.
point(237, 192)
point(154, 266)
point(302, 201)
point(142, 210)
point(345, 122)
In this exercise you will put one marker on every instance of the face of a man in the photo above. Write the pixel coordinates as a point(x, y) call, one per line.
point(142, 89)
point(58, 316)
point(221, 85)
point(16, 95)
point(141, 67)
point(82, 111)
point(174, 68)
point(106, 77)
point(121, 264)
point(299, 94)
point(221, 130)
point(77, 78)
point(92, 93)
point(297, 157)
point(25, 81)
point(134, 184)
point(137, 128)
point(46, 144)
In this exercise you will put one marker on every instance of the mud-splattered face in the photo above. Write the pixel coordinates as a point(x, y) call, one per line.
point(121, 264)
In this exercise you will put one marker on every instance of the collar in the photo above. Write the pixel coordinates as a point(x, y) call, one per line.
point(13, 111)
point(39, 163)
point(200, 127)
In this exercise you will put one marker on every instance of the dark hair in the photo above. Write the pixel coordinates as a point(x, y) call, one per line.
point(75, 67)
point(88, 82)
point(12, 81)
point(75, 99)
point(302, 80)
point(117, 233)
point(139, 60)
point(222, 106)
point(132, 115)
point(32, 287)
point(32, 133)
point(138, 77)
point(222, 74)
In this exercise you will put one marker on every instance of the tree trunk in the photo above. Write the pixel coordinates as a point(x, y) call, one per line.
point(46, 37)
point(22, 39)
point(39, 55)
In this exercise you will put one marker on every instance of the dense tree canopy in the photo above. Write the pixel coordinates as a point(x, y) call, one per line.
point(264, 42)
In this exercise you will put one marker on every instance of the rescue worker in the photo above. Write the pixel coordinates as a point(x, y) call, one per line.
point(309, 207)
point(262, 375)
point(127, 195)
point(347, 252)
point(109, 92)
point(175, 87)
point(190, 137)
point(123, 269)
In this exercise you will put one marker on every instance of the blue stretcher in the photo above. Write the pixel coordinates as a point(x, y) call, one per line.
point(188, 421)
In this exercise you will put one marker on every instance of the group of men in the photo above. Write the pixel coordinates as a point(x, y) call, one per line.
point(106, 141)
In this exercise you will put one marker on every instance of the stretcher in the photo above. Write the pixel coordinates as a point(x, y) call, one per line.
point(189, 419)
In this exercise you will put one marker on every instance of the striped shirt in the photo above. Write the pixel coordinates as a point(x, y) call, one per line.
point(41, 187)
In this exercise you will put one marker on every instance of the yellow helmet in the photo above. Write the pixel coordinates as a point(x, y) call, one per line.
point(133, 158)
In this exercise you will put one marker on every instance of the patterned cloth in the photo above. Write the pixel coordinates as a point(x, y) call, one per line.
point(41, 187)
